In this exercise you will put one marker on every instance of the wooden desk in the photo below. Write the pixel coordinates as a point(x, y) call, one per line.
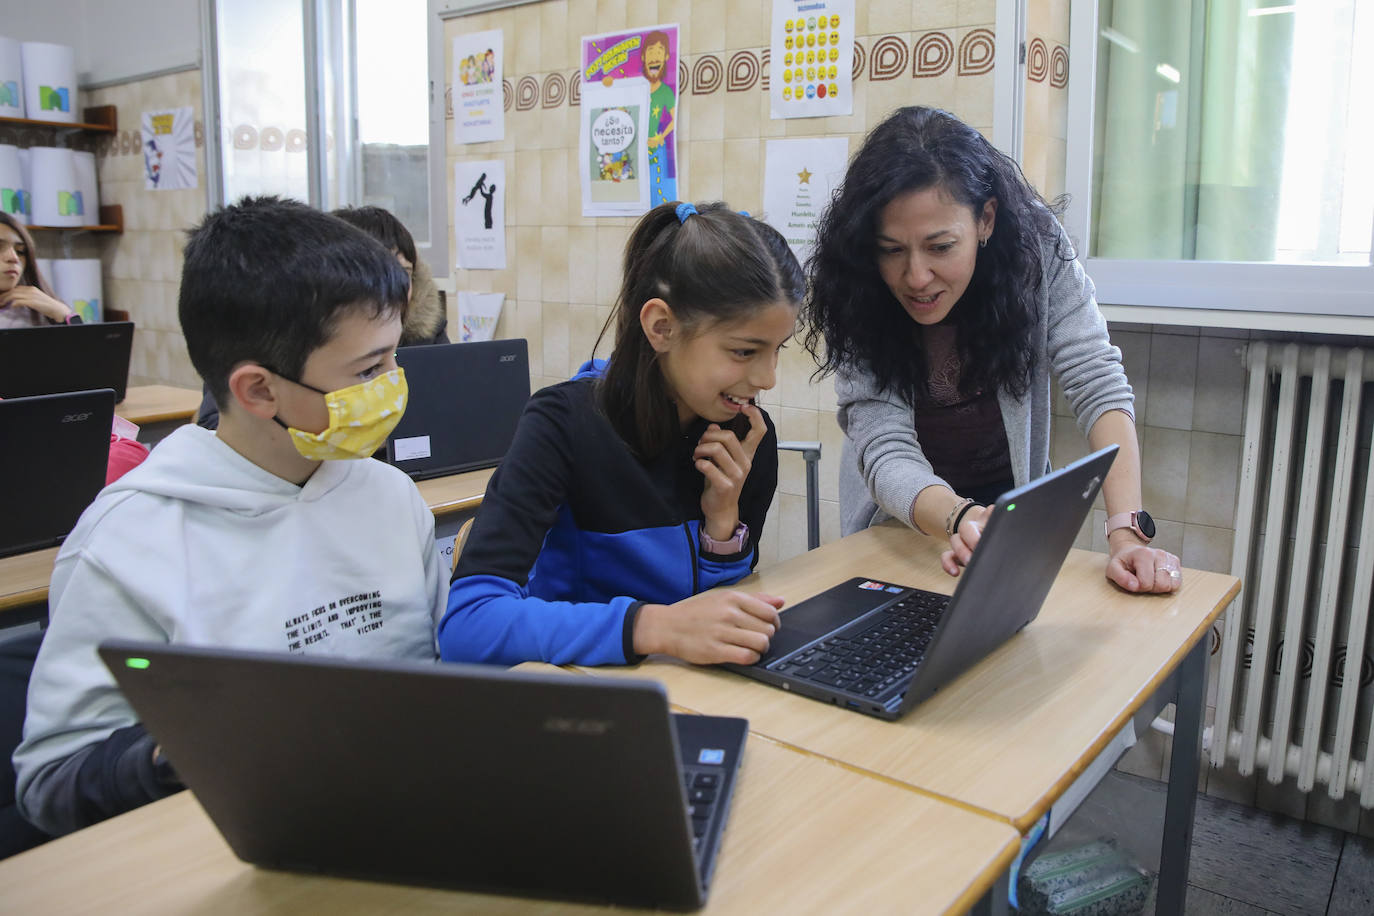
point(158, 403)
point(1011, 734)
point(804, 835)
point(24, 577)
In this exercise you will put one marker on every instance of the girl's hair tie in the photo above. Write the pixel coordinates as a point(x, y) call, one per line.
point(685, 210)
point(745, 214)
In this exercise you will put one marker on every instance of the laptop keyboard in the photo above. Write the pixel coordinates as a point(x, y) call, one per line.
point(875, 654)
point(703, 791)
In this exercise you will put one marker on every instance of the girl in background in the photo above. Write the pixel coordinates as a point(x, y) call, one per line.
point(26, 299)
point(644, 480)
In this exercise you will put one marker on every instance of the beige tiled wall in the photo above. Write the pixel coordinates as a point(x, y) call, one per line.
point(565, 269)
point(1047, 95)
point(142, 266)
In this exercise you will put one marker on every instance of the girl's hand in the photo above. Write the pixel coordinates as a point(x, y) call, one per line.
point(725, 462)
point(34, 298)
point(709, 629)
point(1139, 568)
point(964, 540)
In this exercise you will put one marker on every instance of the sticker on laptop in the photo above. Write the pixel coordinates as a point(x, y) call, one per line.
point(410, 449)
point(896, 590)
point(874, 586)
point(711, 755)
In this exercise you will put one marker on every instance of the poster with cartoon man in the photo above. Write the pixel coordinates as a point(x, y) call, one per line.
point(647, 57)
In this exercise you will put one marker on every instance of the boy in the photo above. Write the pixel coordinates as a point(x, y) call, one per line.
point(252, 536)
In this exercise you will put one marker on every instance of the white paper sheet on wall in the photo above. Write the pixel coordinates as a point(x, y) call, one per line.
point(478, 314)
point(798, 178)
point(169, 149)
point(613, 153)
point(479, 113)
point(479, 214)
point(811, 59)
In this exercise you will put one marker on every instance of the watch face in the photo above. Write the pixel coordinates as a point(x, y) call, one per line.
point(1145, 523)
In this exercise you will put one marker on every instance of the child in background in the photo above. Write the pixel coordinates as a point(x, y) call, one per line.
point(255, 536)
point(644, 480)
point(26, 299)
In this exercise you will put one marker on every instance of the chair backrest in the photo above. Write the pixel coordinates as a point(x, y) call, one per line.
point(460, 540)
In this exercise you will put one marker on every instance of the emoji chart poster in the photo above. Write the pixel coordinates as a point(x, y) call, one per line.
point(479, 113)
point(169, 149)
point(645, 57)
point(812, 59)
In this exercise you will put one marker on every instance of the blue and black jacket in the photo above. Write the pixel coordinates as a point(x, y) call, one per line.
point(576, 533)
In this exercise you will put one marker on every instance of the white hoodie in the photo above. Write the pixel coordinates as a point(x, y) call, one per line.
point(199, 545)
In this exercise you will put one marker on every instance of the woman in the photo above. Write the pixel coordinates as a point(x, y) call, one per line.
point(26, 300)
point(943, 294)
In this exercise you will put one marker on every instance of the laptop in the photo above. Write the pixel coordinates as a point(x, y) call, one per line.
point(61, 357)
point(881, 649)
point(471, 777)
point(465, 400)
point(52, 465)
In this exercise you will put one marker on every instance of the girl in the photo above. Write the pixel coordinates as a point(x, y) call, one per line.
point(644, 480)
point(26, 299)
point(944, 292)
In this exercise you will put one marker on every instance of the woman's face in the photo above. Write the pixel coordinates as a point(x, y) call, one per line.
point(927, 244)
point(14, 257)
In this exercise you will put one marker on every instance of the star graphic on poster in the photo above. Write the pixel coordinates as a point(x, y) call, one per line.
point(804, 175)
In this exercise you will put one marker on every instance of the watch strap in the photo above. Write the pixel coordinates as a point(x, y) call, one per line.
point(1126, 520)
point(734, 544)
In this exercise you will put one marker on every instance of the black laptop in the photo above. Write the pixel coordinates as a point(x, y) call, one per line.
point(880, 648)
point(472, 777)
point(61, 357)
point(465, 400)
point(56, 447)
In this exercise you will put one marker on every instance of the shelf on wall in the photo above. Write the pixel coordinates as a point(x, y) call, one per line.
point(111, 220)
point(102, 119)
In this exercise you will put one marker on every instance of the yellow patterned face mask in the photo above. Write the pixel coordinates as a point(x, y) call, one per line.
point(360, 418)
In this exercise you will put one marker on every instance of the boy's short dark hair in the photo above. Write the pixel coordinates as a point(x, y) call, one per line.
point(265, 280)
point(383, 226)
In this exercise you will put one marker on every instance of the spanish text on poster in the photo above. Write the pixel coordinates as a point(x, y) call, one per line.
point(479, 113)
point(812, 58)
point(479, 214)
point(647, 56)
point(613, 155)
point(798, 178)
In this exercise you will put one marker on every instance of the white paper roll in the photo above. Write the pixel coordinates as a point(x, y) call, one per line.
point(11, 79)
point(77, 283)
point(15, 198)
point(86, 183)
point(57, 199)
point(50, 81)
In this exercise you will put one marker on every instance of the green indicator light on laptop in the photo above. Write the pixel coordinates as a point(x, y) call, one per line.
point(1011, 506)
point(139, 663)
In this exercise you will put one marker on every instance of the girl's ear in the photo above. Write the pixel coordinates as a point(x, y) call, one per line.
point(659, 324)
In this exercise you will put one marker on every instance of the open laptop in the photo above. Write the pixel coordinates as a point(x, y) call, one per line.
point(473, 777)
point(61, 357)
point(881, 649)
point(52, 464)
point(465, 400)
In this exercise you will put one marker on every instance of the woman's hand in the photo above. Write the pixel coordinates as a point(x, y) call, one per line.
point(711, 628)
point(34, 298)
point(1137, 567)
point(963, 541)
point(725, 461)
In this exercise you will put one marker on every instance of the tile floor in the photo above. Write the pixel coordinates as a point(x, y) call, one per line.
point(1245, 862)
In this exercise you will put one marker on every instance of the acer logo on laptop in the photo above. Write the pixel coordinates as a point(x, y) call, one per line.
point(508, 358)
point(76, 417)
point(563, 726)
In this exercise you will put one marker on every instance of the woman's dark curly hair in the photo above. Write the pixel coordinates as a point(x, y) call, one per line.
point(853, 320)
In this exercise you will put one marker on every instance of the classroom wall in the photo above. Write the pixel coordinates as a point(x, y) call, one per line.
point(564, 270)
point(142, 266)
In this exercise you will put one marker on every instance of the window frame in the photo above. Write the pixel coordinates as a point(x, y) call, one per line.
point(1332, 298)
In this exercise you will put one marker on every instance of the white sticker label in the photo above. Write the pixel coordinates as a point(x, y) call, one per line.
point(412, 448)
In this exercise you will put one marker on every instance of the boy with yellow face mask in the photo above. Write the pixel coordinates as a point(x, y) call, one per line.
point(262, 535)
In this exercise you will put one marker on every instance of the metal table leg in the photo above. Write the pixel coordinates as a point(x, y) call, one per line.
point(1184, 764)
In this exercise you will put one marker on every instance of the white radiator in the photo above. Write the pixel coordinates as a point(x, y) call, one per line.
point(1294, 697)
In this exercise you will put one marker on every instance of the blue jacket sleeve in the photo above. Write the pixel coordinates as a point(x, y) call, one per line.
point(491, 616)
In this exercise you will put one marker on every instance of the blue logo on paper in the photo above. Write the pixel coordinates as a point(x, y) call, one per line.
point(711, 755)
